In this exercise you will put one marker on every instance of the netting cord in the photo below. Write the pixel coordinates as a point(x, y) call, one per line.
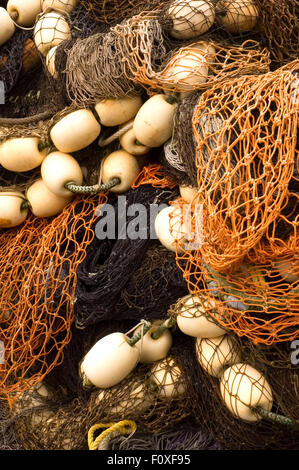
point(96, 188)
point(14, 16)
point(113, 429)
point(27, 120)
point(169, 323)
point(276, 418)
point(116, 135)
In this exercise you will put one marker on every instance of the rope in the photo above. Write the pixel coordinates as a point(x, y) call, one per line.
point(141, 333)
point(169, 323)
point(122, 427)
point(276, 418)
point(96, 188)
point(116, 135)
point(27, 120)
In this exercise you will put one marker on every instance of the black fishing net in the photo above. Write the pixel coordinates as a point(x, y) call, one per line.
point(131, 277)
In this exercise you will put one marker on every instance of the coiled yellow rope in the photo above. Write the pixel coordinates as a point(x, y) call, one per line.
point(122, 427)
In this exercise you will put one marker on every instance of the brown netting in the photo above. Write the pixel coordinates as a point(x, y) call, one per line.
point(141, 43)
point(48, 417)
point(11, 54)
point(134, 53)
point(273, 23)
point(114, 11)
point(177, 160)
point(279, 25)
point(273, 365)
point(38, 282)
point(55, 419)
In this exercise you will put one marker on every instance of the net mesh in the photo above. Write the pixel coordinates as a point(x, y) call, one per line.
point(63, 286)
point(124, 274)
point(38, 282)
point(135, 53)
point(246, 157)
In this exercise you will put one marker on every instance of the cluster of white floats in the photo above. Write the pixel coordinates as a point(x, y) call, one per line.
point(242, 387)
point(189, 19)
point(76, 131)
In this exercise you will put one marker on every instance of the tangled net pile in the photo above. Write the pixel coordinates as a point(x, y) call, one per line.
point(231, 74)
point(247, 174)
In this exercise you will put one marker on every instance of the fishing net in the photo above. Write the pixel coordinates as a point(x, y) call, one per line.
point(48, 417)
point(188, 437)
point(8, 439)
point(272, 364)
point(274, 24)
point(134, 54)
point(112, 12)
point(177, 160)
point(154, 175)
point(279, 25)
point(246, 156)
point(125, 274)
point(34, 90)
point(11, 54)
point(38, 282)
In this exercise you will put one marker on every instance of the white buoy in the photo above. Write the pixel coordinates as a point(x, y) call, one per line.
point(193, 317)
point(151, 349)
point(24, 12)
point(50, 30)
point(167, 377)
point(58, 169)
point(7, 27)
point(113, 112)
point(21, 154)
point(110, 360)
point(244, 388)
point(153, 124)
point(190, 19)
point(43, 202)
point(75, 131)
point(12, 213)
point(120, 164)
point(214, 354)
point(65, 6)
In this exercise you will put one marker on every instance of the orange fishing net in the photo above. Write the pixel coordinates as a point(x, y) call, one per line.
point(38, 276)
point(192, 67)
point(247, 172)
point(153, 174)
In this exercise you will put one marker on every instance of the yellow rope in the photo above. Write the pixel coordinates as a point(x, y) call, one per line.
point(123, 427)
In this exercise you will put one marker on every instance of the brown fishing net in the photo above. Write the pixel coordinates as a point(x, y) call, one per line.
point(273, 386)
point(280, 29)
point(134, 53)
point(11, 54)
point(111, 12)
point(49, 417)
point(60, 415)
point(177, 160)
point(274, 24)
point(38, 282)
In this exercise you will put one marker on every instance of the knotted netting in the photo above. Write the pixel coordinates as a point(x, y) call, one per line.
point(247, 159)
